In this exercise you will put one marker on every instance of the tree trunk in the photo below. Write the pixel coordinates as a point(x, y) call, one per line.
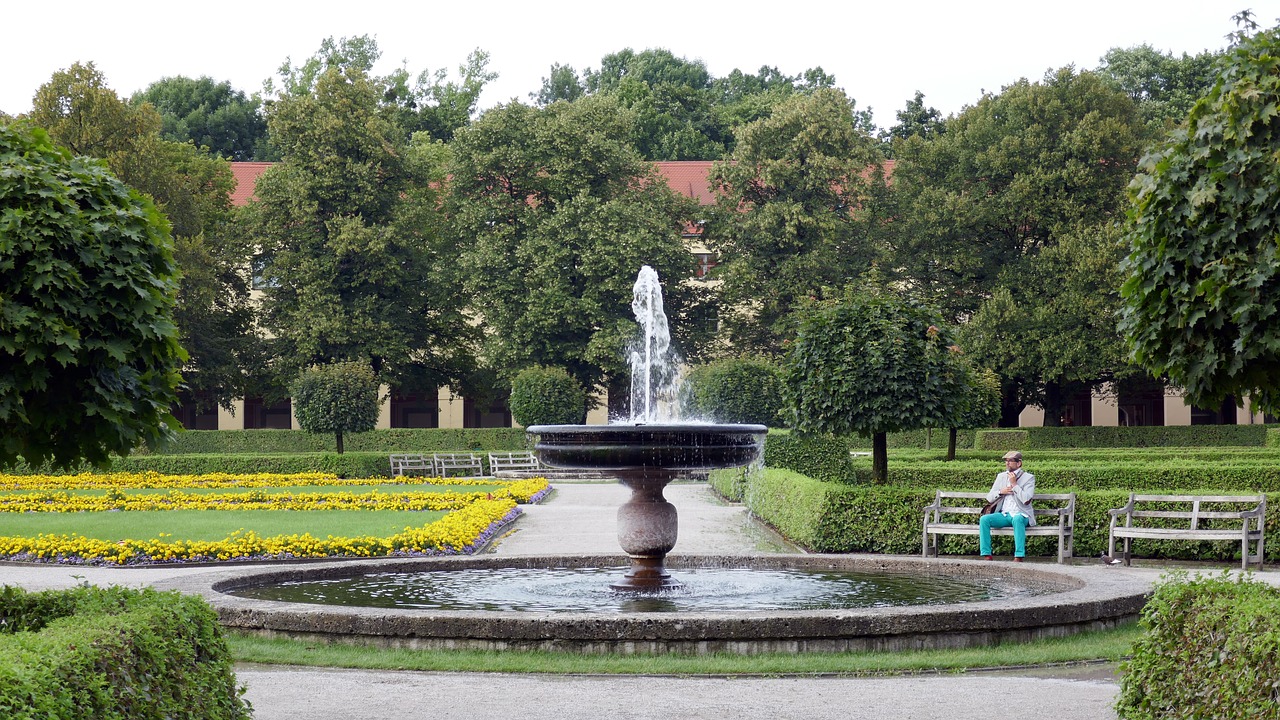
point(339, 435)
point(880, 458)
point(1052, 403)
point(1010, 408)
point(951, 444)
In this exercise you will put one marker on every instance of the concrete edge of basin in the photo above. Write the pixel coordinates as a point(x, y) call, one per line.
point(1085, 598)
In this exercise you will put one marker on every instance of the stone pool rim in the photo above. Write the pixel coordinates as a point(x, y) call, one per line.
point(1090, 598)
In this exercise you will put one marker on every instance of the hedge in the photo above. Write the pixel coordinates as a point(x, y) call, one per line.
point(1211, 648)
point(410, 440)
point(113, 653)
point(1114, 437)
point(1170, 476)
point(935, 439)
point(819, 456)
point(833, 517)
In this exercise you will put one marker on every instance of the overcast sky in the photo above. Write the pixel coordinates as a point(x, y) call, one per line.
point(880, 53)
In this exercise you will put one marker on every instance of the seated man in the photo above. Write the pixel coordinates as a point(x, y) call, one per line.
point(1012, 489)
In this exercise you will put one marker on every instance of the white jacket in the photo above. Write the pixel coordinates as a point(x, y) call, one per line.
point(1017, 502)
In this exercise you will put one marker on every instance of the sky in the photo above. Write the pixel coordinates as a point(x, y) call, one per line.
point(880, 53)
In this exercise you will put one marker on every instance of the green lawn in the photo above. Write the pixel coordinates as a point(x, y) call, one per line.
point(214, 524)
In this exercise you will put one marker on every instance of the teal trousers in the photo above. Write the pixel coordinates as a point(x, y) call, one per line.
point(1003, 520)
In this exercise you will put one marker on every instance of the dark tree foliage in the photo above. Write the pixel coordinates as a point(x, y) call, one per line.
point(208, 114)
point(1202, 298)
point(89, 354)
point(1163, 86)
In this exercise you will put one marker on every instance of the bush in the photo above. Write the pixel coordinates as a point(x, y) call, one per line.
point(113, 654)
point(1107, 436)
point(935, 439)
point(736, 391)
point(386, 440)
point(338, 398)
point(547, 396)
point(823, 457)
point(1210, 649)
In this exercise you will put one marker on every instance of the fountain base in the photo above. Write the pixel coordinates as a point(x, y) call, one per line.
point(648, 526)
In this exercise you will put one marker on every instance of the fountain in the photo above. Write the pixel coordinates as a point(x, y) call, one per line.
point(649, 615)
point(646, 455)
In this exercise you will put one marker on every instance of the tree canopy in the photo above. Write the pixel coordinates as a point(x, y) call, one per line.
point(560, 213)
point(338, 398)
point(874, 362)
point(89, 354)
point(791, 221)
point(354, 263)
point(208, 114)
point(1203, 273)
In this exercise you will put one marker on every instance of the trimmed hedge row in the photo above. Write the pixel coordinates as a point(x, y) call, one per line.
point(831, 517)
point(935, 439)
point(113, 653)
point(1202, 477)
point(410, 440)
point(1115, 437)
point(346, 465)
point(1210, 650)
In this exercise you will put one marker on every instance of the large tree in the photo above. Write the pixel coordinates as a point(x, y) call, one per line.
point(872, 363)
point(1163, 85)
point(208, 114)
point(192, 189)
point(793, 218)
point(560, 213)
point(978, 205)
point(354, 262)
point(1202, 297)
point(89, 354)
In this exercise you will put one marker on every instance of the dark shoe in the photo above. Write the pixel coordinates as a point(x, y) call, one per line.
point(1017, 559)
point(987, 557)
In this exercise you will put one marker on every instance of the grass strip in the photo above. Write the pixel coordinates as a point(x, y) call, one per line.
point(1104, 645)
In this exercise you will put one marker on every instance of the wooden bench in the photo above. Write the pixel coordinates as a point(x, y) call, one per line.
point(944, 504)
point(402, 464)
point(1248, 525)
point(458, 465)
point(514, 463)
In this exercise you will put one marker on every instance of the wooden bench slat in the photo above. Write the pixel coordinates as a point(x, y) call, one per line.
point(1063, 528)
point(1251, 522)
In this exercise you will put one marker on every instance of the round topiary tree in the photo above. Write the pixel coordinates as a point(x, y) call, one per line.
point(874, 363)
point(547, 396)
point(740, 390)
point(338, 398)
point(89, 354)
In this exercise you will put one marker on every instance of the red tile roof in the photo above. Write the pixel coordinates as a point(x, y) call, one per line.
point(689, 178)
point(246, 175)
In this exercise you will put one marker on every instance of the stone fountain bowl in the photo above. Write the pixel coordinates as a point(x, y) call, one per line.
point(666, 446)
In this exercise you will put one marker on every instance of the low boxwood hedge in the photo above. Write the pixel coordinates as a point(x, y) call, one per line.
point(113, 653)
point(1107, 436)
point(1210, 650)
point(833, 517)
point(397, 440)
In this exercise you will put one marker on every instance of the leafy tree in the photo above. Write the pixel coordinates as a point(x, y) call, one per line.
point(873, 363)
point(914, 120)
point(563, 83)
point(435, 104)
point(339, 398)
point(979, 407)
point(788, 224)
point(213, 311)
point(208, 114)
point(560, 213)
point(977, 207)
point(89, 355)
point(1053, 334)
point(1163, 86)
point(547, 396)
point(356, 264)
point(740, 390)
point(1203, 272)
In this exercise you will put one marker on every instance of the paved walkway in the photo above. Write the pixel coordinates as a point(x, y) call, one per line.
point(580, 518)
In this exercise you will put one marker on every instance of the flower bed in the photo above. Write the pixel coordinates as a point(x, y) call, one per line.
point(473, 518)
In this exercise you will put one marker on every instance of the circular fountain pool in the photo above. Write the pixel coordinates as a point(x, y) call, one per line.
point(1070, 599)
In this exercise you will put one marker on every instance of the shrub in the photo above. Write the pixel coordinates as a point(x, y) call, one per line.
point(1108, 436)
point(113, 653)
point(338, 398)
point(824, 457)
point(736, 391)
point(547, 396)
point(386, 440)
point(1211, 648)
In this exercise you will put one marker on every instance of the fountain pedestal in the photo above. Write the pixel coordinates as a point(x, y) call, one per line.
point(645, 458)
point(648, 526)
